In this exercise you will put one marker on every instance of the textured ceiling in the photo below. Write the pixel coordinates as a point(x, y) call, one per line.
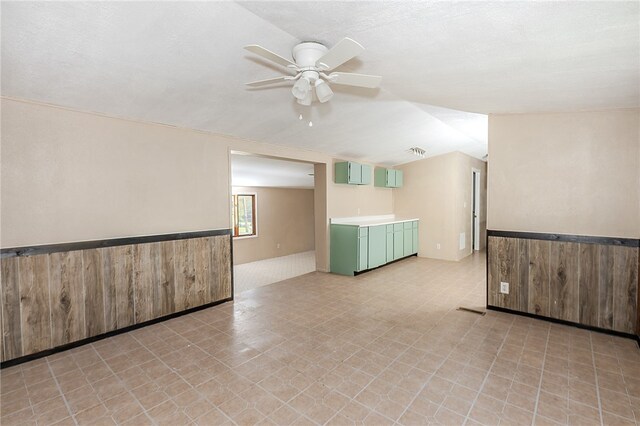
point(248, 170)
point(182, 63)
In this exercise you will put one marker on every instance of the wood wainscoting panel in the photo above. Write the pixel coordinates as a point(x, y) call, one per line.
point(35, 314)
point(625, 288)
point(203, 261)
point(220, 284)
point(539, 277)
point(66, 293)
point(589, 265)
point(94, 316)
point(185, 275)
point(164, 279)
point(67, 298)
point(118, 278)
point(605, 287)
point(11, 330)
point(563, 281)
point(578, 281)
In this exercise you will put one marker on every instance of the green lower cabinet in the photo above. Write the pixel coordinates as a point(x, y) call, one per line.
point(363, 254)
point(377, 246)
point(358, 248)
point(389, 243)
point(398, 241)
point(408, 239)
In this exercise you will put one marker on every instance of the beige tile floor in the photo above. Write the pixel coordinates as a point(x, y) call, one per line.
point(386, 347)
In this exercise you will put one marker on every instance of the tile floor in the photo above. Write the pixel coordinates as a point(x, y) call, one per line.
point(386, 347)
point(264, 272)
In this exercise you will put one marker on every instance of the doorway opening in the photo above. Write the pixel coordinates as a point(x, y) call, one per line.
point(475, 209)
point(273, 220)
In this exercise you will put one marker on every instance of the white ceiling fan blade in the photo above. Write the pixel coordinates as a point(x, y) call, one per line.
point(268, 81)
point(344, 50)
point(267, 54)
point(358, 80)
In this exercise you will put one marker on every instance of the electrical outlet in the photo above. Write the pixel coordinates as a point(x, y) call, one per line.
point(438, 246)
point(504, 288)
point(278, 245)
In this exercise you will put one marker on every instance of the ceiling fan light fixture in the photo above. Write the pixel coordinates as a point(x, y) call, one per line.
point(307, 99)
point(323, 91)
point(302, 88)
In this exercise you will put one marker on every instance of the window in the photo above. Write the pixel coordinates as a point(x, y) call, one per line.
point(244, 215)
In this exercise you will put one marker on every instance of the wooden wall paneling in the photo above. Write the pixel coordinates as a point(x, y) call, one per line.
point(94, 302)
point(203, 267)
point(220, 285)
point(539, 277)
point(11, 330)
point(143, 281)
point(118, 279)
point(493, 274)
point(508, 254)
point(185, 275)
point(605, 287)
point(523, 275)
point(66, 297)
point(563, 281)
point(589, 267)
point(625, 288)
point(163, 279)
point(35, 313)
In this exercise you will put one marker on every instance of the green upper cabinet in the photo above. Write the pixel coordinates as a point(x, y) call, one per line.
point(388, 178)
point(352, 173)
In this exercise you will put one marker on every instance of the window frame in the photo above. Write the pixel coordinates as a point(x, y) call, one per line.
point(254, 215)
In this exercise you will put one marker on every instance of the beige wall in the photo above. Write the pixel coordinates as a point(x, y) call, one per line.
point(570, 173)
point(358, 200)
point(73, 176)
point(435, 191)
point(285, 224)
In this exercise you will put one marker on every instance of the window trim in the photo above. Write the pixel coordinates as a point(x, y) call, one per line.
point(255, 216)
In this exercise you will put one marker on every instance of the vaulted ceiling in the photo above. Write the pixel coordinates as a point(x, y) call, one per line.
point(444, 66)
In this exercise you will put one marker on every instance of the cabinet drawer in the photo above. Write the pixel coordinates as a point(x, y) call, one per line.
point(397, 227)
point(363, 231)
point(408, 225)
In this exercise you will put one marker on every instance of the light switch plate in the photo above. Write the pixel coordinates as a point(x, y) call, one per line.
point(504, 288)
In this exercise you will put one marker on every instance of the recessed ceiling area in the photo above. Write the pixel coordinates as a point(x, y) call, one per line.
point(250, 170)
point(445, 65)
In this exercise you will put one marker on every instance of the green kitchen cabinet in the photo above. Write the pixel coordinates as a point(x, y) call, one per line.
point(398, 241)
point(408, 238)
point(377, 246)
point(389, 243)
point(359, 248)
point(363, 251)
point(352, 173)
point(388, 178)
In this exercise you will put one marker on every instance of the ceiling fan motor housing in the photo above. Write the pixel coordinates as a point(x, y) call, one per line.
point(307, 53)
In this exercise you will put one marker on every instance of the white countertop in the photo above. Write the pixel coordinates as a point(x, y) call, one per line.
point(370, 220)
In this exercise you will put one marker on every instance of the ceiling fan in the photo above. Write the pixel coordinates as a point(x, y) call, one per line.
point(311, 62)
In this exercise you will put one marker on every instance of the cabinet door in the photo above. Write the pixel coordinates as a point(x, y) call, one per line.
point(414, 240)
point(408, 241)
point(362, 253)
point(399, 179)
point(377, 246)
point(365, 171)
point(389, 243)
point(355, 173)
point(391, 178)
point(398, 244)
